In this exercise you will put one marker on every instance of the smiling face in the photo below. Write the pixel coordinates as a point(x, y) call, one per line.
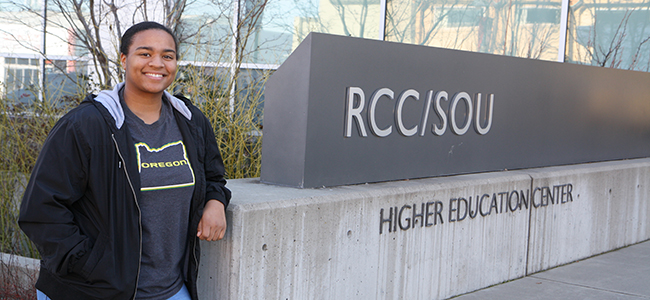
point(150, 65)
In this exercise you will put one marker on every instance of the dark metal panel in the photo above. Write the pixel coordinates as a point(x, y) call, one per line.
point(544, 114)
point(285, 120)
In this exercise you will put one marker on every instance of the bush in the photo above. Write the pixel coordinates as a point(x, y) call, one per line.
point(23, 129)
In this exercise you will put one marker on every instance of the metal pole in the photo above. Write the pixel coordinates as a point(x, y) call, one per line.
point(382, 20)
point(234, 59)
point(564, 23)
point(41, 60)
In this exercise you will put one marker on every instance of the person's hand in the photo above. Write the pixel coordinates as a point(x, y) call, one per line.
point(212, 226)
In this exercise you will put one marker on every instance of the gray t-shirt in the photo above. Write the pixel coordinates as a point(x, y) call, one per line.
point(167, 184)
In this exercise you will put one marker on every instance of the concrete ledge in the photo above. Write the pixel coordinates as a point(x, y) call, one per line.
point(18, 273)
point(610, 210)
point(422, 239)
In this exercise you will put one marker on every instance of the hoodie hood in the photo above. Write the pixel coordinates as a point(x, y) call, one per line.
point(110, 99)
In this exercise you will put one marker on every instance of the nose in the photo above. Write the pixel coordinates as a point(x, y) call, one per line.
point(156, 61)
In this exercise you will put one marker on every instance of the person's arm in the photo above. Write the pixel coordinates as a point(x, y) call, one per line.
point(212, 225)
point(57, 181)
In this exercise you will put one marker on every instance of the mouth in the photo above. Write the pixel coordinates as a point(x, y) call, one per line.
point(154, 75)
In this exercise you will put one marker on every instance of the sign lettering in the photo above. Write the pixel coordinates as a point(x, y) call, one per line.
point(356, 104)
point(461, 208)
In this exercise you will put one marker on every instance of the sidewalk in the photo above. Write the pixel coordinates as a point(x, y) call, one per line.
point(621, 274)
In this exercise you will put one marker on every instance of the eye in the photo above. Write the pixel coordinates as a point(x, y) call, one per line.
point(145, 54)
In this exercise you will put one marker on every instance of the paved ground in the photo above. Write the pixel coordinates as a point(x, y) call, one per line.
point(622, 274)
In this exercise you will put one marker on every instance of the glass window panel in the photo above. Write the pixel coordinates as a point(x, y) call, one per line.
point(10, 79)
point(272, 35)
point(27, 79)
point(468, 16)
point(66, 86)
point(542, 15)
point(18, 78)
point(522, 28)
point(202, 83)
point(250, 92)
point(19, 5)
point(205, 31)
point(610, 34)
point(60, 65)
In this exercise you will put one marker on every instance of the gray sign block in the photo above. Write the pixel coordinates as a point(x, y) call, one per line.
point(344, 110)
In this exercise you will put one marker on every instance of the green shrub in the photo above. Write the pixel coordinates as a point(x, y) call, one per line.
point(23, 129)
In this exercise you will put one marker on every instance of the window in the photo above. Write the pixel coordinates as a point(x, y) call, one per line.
point(464, 17)
point(20, 73)
point(542, 15)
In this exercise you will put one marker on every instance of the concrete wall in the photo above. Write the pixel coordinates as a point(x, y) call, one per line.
point(422, 239)
point(610, 209)
point(17, 275)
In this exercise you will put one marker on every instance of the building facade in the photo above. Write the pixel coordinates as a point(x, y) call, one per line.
point(237, 43)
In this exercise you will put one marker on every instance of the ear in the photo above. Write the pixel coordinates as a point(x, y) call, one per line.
point(123, 60)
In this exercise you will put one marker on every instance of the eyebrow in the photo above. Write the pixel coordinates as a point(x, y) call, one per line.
point(151, 49)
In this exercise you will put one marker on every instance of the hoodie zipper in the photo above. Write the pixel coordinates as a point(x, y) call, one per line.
point(196, 241)
point(135, 198)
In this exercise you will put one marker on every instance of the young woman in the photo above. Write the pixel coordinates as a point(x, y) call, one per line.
point(126, 184)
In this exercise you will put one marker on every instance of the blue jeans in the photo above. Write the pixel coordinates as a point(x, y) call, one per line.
point(183, 294)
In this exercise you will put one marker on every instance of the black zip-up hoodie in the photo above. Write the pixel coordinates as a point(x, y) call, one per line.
point(80, 206)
